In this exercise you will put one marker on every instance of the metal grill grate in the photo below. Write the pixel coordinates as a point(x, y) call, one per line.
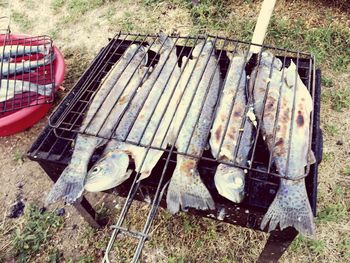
point(70, 119)
point(54, 146)
point(26, 72)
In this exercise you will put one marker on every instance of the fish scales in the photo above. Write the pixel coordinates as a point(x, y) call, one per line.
point(186, 188)
point(9, 51)
point(9, 88)
point(158, 87)
point(70, 184)
point(10, 68)
point(121, 82)
point(291, 206)
point(229, 180)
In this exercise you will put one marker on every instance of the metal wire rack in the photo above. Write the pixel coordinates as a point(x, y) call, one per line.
point(26, 74)
point(71, 118)
point(65, 124)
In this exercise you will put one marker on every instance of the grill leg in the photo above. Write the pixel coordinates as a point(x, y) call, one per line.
point(276, 245)
point(83, 207)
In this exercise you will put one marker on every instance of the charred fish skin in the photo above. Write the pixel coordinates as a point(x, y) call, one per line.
point(10, 68)
point(9, 51)
point(70, 184)
point(230, 180)
point(9, 88)
point(186, 188)
point(291, 206)
point(144, 161)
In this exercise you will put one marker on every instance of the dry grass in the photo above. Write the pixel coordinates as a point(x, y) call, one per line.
point(80, 28)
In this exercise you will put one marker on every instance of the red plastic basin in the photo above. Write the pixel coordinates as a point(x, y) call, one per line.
point(19, 120)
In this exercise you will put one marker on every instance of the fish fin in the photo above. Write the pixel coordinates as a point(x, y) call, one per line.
point(144, 176)
point(149, 163)
point(162, 43)
point(187, 190)
point(68, 187)
point(312, 157)
point(290, 75)
point(230, 55)
point(290, 207)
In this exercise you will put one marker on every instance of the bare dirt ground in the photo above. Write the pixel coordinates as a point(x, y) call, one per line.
point(80, 28)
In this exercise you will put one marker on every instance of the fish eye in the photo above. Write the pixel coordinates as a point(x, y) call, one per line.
point(96, 169)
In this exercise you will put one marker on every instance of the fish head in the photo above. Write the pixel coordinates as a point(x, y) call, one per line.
point(269, 60)
point(229, 182)
point(203, 49)
point(108, 172)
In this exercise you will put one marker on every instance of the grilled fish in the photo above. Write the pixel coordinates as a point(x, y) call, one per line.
point(70, 184)
point(10, 68)
point(9, 88)
point(229, 180)
point(291, 206)
point(192, 125)
point(9, 51)
point(162, 98)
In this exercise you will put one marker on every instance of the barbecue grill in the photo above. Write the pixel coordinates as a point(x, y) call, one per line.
point(53, 148)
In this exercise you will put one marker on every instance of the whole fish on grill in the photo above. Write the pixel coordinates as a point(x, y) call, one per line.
point(9, 88)
point(186, 188)
point(10, 68)
point(229, 180)
point(70, 184)
point(291, 206)
point(9, 51)
point(162, 99)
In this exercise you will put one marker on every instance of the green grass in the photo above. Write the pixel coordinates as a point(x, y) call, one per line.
point(17, 156)
point(332, 213)
point(301, 243)
point(327, 82)
point(340, 99)
point(346, 170)
point(35, 233)
point(80, 7)
point(23, 21)
point(56, 5)
point(331, 129)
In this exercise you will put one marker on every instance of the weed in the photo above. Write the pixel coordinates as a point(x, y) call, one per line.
point(56, 5)
point(18, 156)
point(332, 213)
point(346, 170)
point(23, 21)
point(54, 256)
point(83, 259)
point(126, 23)
point(317, 246)
point(341, 100)
point(300, 242)
point(328, 156)
point(35, 233)
point(327, 82)
point(344, 246)
point(331, 129)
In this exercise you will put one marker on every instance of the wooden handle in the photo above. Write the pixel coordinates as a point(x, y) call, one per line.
point(262, 24)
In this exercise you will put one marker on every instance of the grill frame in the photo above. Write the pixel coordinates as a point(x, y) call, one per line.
point(52, 151)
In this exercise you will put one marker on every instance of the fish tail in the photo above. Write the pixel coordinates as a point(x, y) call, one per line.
point(162, 42)
point(68, 188)
point(186, 189)
point(291, 207)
